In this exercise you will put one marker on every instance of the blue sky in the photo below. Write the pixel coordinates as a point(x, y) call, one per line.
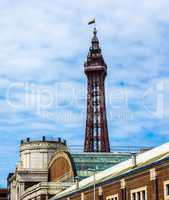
point(43, 46)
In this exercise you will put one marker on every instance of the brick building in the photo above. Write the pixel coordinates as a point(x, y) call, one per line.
point(3, 194)
point(143, 177)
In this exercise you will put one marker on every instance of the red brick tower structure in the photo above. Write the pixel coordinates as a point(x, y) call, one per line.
point(96, 136)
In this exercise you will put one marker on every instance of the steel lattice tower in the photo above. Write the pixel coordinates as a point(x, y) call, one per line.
point(96, 136)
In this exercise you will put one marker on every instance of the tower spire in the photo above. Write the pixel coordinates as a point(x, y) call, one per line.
point(96, 136)
point(95, 41)
point(95, 54)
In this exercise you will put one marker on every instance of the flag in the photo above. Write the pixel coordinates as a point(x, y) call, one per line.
point(92, 22)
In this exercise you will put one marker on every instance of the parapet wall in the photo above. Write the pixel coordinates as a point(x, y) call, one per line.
point(37, 154)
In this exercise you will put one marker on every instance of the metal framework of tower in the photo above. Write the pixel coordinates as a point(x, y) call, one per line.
point(96, 136)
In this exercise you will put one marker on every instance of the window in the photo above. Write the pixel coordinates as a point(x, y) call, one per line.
point(112, 197)
point(139, 194)
point(166, 190)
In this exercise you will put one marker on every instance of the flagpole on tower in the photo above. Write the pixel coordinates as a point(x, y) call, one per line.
point(93, 21)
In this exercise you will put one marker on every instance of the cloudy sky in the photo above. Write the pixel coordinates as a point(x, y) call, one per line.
point(43, 46)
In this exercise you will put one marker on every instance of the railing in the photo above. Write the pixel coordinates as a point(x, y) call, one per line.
point(44, 138)
point(114, 149)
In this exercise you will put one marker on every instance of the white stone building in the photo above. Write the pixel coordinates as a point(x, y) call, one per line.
point(32, 167)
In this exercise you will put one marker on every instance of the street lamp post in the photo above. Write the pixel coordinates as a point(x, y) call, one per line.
point(94, 182)
point(94, 186)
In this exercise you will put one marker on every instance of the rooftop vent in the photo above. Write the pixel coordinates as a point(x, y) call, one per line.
point(134, 160)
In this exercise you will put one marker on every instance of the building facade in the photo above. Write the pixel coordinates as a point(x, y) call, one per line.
point(64, 170)
point(143, 177)
point(32, 167)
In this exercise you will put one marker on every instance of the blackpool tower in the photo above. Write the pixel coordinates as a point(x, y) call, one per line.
point(96, 136)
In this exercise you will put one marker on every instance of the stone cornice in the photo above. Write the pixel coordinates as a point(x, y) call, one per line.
point(34, 145)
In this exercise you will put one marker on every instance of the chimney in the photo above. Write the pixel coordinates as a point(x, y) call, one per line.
point(43, 138)
point(28, 139)
point(134, 160)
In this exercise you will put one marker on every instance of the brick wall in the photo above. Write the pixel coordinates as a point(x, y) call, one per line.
point(154, 185)
point(58, 169)
point(3, 194)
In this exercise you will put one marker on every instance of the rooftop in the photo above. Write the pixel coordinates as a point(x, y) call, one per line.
point(144, 159)
point(96, 161)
